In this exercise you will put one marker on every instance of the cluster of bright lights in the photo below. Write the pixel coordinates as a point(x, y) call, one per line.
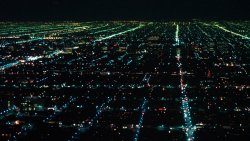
point(31, 58)
point(23, 31)
point(139, 126)
point(177, 40)
point(57, 52)
point(189, 127)
point(9, 65)
point(7, 111)
point(54, 53)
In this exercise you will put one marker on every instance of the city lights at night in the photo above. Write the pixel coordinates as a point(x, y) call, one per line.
point(125, 80)
point(124, 70)
point(88, 83)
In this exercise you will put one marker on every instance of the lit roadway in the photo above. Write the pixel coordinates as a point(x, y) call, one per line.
point(99, 110)
point(177, 35)
point(9, 65)
point(31, 58)
point(189, 127)
point(229, 31)
point(143, 108)
point(62, 108)
point(57, 52)
point(139, 126)
point(120, 33)
point(234, 33)
point(109, 29)
point(6, 112)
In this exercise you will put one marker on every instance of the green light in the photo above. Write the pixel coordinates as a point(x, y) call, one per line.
point(226, 30)
point(234, 33)
point(120, 33)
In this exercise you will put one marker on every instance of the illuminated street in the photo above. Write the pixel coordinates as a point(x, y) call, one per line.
point(125, 81)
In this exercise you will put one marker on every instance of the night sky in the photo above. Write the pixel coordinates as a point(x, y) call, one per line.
point(86, 10)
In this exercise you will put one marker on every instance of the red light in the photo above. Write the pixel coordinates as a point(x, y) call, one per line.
point(162, 109)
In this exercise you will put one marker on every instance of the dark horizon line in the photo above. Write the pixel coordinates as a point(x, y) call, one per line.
point(53, 19)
